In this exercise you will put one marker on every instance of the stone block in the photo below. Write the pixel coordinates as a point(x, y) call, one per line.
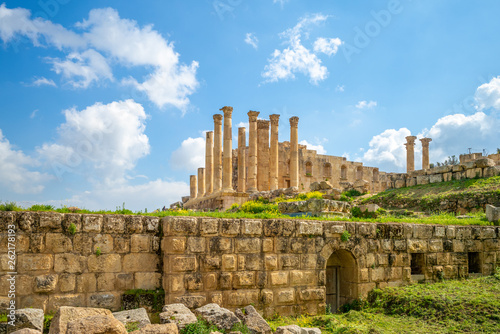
point(226, 281)
point(124, 282)
point(92, 223)
point(174, 244)
point(491, 171)
point(211, 263)
point(367, 230)
point(364, 275)
point(377, 274)
point(86, 283)
point(447, 176)
point(364, 289)
point(474, 173)
point(67, 282)
point(114, 224)
point(285, 296)
point(310, 228)
point(108, 300)
point(229, 262)
point(70, 263)
point(417, 246)
point(140, 262)
point(488, 233)
point(436, 245)
point(382, 259)
point(272, 228)
point(210, 281)
point(104, 242)
point(196, 245)
point(248, 245)
point(271, 262)
point(230, 227)
point(251, 228)
point(184, 263)
point(34, 262)
point(51, 221)
point(400, 245)
point(244, 279)
point(209, 226)
point(152, 224)
point(422, 179)
point(121, 244)
point(312, 294)
point(57, 301)
point(219, 245)
point(333, 229)
point(421, 231)
point(435, 178)
point(24, 285)
point(493, 214)
point(133, 224)
point(45, 283)
point(110, 263)
point(302, 277)
point(82, 244)
point(279, 278)
point(289, 261)
point(191, 301)
point(140, 243)
point(105, 282)
point(147, 281)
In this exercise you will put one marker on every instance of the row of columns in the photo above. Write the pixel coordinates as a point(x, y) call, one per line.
point(262, 157)
point(410, 153)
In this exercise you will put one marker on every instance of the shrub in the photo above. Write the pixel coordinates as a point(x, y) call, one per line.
point(41, 207)
point(356, 212)
point(72, 229)
point(98, 251)
point(352, 193)
point(345, 236)
point(9, 206)
point(199, 327)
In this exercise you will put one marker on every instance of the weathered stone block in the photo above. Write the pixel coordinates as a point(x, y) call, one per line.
point(218, 245)
point(82, 243)
point(67, 282)
point(104, 242)
point(279, 278)
point(310, 228)
point(183, 263)
point(51, 221)
point(248, 245)
point(45, 283)
point(286, 296)
point(289, 261)
point(140, 243)
point(312, 294)
point(105, 282)
point(92, 223)
point(34, 262)
point(114, 224)
point(124, 281)
point(107, 300)
point(251, 228)
point(133, 224)
point(436, 245)
point(57, 301)
point(210, 281)
point(121, 244)
point(377, 274)
point(191, 301)
point(422, 179)
point(147, 281)
point(110, 263)
point(70, 263)
point(86, 283)
point(140, 262)
point(302, 277)
point(400, 245)
point(196, 245)
point(421, 231)
point(230, 227)
point(417, 246)
point(271, 262)
point(152, 224)
point(244, 279)
point(435, 178)
point(209, 226)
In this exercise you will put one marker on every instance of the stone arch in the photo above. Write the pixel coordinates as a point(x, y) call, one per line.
point(309, 168)
point(341, 274)
point(343, 172)
point(359, 173)
point(327, 169)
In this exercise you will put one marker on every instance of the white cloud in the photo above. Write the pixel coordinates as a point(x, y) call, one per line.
point(103, 142)
point(190, 155)
point(105, 40)
point(366, 105)
point(387, 150)
point(252, 40)
point(42, 81)
point(328, 46)
point(318, 148)
point(488, 95)
point(296, 57)
point(14, 173)
point(81, 69)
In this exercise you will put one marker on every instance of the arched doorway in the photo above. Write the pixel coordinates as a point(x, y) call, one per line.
point(341, 279)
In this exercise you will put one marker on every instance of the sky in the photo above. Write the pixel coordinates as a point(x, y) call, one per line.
point(106, 103)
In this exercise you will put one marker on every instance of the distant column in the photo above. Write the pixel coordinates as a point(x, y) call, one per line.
point(209, 161)
point(242, 145)
point(410, 153)
point(262, 155)
point(273, 158)
point(425, 152)
point(252, 151)
point(227, 164)
point(201, 182)
point(193, 186)
point(294, 152)
point(217, 152)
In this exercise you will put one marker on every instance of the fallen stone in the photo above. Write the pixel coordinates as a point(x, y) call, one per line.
point(96, 324)
point(493, 214)
point(369, 207)
point(28, 318)
point(178, 314)
point(325, 185)
point(253, 320)
point(294, 329)
point(139, 316)
point(315, 186)
point(484, 162)
point(66, 314)
point(27, 331)
point(177, 205)
point(158, 329)
point(218, 316)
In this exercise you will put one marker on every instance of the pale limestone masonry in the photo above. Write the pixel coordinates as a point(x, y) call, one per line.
point(294, 152)
point(201, 182)
point(279, 266)
point(193, 183)
point(252, 151)
point(242, 177)
point(410, 153)
point(217, 180)
point(274, 157)
point(227, 170)
point(262, 155)
point(425, 152)
point(209, 161)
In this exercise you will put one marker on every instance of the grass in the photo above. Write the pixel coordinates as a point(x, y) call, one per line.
point(455, 306)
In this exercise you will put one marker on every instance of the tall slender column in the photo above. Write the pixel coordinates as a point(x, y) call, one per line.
point(252, 151)
point(193, 186)
point(425, 152)
point(227, 163)
point(273, 159)
point(242, 145)
point(201, 182)
point(294, 152)
point(262, 155)
point(410, 153)
point(209, 161)
point(217, 152)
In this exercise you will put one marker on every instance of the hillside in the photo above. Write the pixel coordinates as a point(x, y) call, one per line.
point(460, 196)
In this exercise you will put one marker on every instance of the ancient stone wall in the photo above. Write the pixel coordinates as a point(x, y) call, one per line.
point(106, 255)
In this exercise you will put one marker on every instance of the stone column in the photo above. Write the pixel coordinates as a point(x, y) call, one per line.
point(242, 147)
point(252, 151)
point(425, 152)
point(209, 161)
point(193, 186)
point(217, 183)
point(262, 155)
point(227, 164)
point(410, 155)
point(201, 182)
point(294, 152)
point(273, 158)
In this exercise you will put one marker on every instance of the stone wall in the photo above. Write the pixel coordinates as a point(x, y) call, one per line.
point(55, 267)
point(279, 266)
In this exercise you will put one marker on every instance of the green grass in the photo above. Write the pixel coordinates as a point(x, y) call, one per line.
point(455, 306)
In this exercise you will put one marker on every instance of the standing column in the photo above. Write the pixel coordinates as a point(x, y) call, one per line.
point(227, 164)
point(425, 152)
point(217, 152)
point(294, 152)
point(273, 159)
point(209, 161)
point(193, 186)
point(410, 153)
point(201, 182)
point(242, 145)
point(252, 151)
point(262, 155)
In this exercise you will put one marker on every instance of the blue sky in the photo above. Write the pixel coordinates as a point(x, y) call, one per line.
point(105, 102)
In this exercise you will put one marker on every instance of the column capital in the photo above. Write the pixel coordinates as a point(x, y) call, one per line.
point(294, 121)
point(410, 140)
point(242, 130)
point(252, 115)
point(425, 141)
point(227, 111)
point(275, 118)
point(218, 118)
